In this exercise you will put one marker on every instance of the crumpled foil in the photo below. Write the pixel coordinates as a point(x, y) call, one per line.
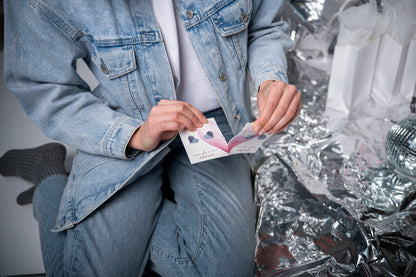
point(329, 202)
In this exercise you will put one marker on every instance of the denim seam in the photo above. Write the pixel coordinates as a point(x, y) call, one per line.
point(76, 220)
point(66, 29)
point(124, 41)
point(108, 138)
point(85, 172)
point(206, 14)
point(267, 70)
point(175, 258)
point(75, 244)
point(229, 31)
point(199, 248)
point(239, 53)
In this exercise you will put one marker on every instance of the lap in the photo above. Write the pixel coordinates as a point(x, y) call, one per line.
point(114, 240)
point(209, 220)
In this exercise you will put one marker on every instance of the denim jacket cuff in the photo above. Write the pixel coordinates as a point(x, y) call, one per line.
point(114, 143)
point(131, 152)
point(276, 72)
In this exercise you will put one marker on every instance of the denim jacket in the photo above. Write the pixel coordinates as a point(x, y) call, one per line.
point(121, 42)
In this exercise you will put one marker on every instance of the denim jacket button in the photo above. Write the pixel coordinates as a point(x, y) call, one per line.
point(244, 17)
point(238, 117)
point(104, 69)
point(223, 77)
point(189, 14)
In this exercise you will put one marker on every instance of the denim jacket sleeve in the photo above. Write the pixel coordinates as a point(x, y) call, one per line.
point(268, 42)
point(41, 49)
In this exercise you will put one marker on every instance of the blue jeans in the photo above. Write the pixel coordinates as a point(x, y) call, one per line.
point(203, 226)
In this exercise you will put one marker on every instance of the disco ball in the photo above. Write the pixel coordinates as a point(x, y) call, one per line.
point(401, 145)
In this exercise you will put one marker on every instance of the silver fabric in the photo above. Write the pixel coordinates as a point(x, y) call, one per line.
point(329, 201)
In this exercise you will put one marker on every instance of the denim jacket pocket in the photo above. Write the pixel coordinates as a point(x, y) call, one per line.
point(232, 22)
point(233, 18)
point(115, 61)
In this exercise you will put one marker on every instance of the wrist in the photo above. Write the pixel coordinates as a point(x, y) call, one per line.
point(134, 142)
point(266, 83)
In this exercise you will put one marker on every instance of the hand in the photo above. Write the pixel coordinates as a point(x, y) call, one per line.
point(163, 123)
point(278, 104)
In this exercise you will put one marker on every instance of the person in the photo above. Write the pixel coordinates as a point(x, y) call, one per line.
point(132, 201)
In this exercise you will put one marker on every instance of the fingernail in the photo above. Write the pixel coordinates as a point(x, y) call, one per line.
point(261, 132)
point(199, 124)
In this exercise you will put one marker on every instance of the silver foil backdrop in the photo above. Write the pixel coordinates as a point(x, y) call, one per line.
point(329, 202)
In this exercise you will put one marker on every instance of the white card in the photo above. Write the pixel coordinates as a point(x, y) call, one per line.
point(208, 142)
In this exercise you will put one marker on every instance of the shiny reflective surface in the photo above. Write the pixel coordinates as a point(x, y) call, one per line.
point(330, 203)
point(401, 145)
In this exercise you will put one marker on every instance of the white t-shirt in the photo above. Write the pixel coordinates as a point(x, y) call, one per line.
point(191, 82)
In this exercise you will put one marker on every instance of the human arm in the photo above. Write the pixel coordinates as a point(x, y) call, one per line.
point(41, 51)
point(278, 102)
point(163, 123)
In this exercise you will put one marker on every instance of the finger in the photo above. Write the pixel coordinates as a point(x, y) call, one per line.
point(173, 111)
point(268, 102)
point(188, 110)
point(189, 113)
point(200, 116)
point(150, 135)
point(170, 121)
point(287, 124)
point(278, 130)
point(184, 119)
point(285, 97)
point(285, 111)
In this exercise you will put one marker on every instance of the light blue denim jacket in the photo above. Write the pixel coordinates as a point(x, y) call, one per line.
point(121, 42)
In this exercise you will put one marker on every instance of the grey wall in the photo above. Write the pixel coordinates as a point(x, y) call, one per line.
point(19, 243)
